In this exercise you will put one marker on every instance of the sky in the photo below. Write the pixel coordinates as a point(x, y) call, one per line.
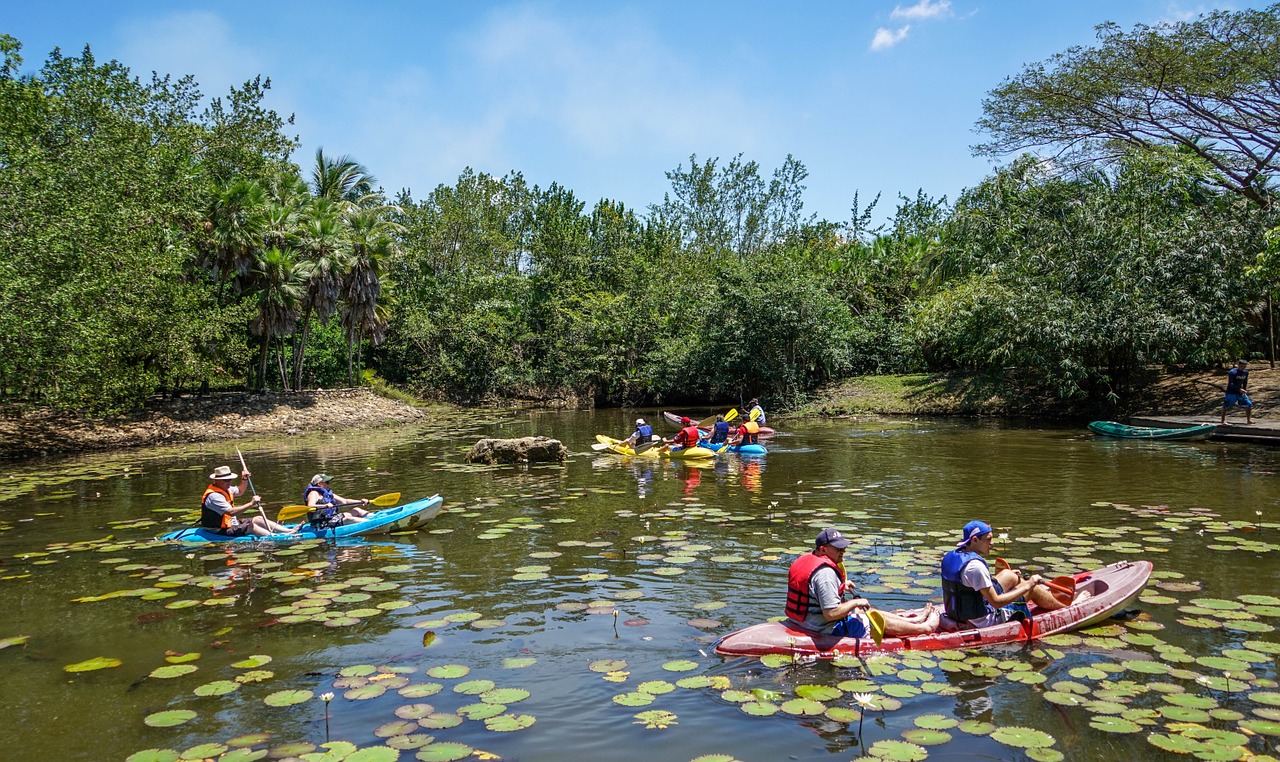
point(873, 97)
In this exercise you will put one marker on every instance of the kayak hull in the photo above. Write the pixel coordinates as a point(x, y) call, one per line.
point(1122, 431)
point(747, 449)
point(402, 517)
point(689, 453)
point(674, 420)
point(1100, 594)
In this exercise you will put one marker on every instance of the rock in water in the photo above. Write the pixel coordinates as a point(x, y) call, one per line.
point(523, 450)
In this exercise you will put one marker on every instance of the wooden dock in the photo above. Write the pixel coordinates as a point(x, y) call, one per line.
point(1235, 430)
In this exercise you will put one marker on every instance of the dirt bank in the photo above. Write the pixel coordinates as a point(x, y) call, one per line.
point(225, 415)
point(1162, 393)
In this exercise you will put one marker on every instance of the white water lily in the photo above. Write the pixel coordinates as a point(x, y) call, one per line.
point(864, 700)
point(326, 697)
point(1002, 536)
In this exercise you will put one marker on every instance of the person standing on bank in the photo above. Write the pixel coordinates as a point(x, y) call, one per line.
point(1237, 394)
point(219, 512)
point(816, 585)
point(324, 504)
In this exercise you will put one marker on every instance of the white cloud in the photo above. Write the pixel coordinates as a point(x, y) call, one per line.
point(887, 38)
point(199, 43)
point(923, 10)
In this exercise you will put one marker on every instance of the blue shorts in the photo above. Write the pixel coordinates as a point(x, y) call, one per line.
point(1241, 399)
point(851, 626)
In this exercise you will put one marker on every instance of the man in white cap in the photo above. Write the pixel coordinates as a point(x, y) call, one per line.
point(642, 434)
point(816, 585)
point(973, 597)
point(219, 512)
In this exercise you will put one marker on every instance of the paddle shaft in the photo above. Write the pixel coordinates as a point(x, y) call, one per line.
point(245, 469)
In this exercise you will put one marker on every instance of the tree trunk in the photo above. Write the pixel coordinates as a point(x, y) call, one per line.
point(262, 361)
point(284, 379)
point(350, 374)
point(300, 349)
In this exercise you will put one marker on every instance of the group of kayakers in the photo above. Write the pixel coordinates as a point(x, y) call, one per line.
point(972, 597)
point(691, 435)
point(219, 512)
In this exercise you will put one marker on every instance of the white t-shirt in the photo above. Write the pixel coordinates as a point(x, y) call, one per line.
point(976, 576)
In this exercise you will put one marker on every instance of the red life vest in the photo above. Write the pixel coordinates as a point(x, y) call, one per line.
point(749, 433)
point(802, 570)
point(688, 436)
point(212, 519)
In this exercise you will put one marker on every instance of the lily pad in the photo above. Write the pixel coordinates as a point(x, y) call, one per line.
point(1022, 737)
point(169, 718)
point(445, 751)
point(287, 698)
point(91, 665)
point(507, 723)
point(897, 751)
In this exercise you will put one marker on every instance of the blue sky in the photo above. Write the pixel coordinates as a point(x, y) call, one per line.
point(604, 98)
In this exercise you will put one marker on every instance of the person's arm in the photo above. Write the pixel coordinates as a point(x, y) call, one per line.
point(1009, 596)
point(250, 503)
point(340, 500)
point(313, 499)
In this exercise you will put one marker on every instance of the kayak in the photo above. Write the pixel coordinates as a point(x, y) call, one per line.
point(747, 449)
point(674, 420)
point(1122, 431)
point(402, 517)
point(1100, 594)
point(689, 453)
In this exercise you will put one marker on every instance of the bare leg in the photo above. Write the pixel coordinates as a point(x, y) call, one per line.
point(1043, 598)
point(897, 626)
point(262, 526)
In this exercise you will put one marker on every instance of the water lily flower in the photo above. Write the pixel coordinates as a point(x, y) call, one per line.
point(865, 700)
point(326, 697)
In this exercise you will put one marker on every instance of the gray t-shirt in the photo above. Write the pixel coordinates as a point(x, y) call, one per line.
point(824, 590)
point(216, 502)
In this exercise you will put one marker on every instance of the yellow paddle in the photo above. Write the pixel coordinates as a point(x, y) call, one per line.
point(877, 626)
point(729, 416)
point(294, 511)
point(755, 413)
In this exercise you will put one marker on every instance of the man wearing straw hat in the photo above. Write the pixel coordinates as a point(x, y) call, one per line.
point(219, 512)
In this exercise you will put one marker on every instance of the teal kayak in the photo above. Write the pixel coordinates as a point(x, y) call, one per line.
point(1122, 431)
point(401, 517)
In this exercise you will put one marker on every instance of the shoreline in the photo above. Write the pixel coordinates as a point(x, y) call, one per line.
point(189, 419)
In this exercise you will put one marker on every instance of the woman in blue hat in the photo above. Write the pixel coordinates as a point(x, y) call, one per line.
point(973, 597)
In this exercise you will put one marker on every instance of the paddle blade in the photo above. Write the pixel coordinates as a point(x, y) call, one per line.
point(877, 625)
point(723, 447)
point(387, 500)
point(646, 445)
point(729, 416)
point(1002, 564)
point(600, 446)
point(705, 422)
point(755, 413)
point(291, 512)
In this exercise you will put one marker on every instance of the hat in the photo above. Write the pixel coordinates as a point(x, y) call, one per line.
point(686, 420)
point(223, 472)
point(321, 478)
point(639, 421)
point(973, 529)
point(830, 537)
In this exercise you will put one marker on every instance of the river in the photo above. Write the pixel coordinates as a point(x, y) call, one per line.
point(569, 610)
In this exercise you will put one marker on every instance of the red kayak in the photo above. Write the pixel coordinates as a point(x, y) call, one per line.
point(674, 420)
point(1099, 594)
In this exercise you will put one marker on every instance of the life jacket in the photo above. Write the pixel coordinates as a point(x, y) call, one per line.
point(719, 432)
point(211, 519)
point(960, 601)
point(750, 433)
point(688, 436)
point(1237, 381)
point(644, 433)
point(321, 516)
point(802, 570)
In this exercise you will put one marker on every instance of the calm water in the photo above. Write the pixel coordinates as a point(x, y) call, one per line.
point(518, 580)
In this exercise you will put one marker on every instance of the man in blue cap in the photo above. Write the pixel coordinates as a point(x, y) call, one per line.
point(816, 585)
point(973, 597)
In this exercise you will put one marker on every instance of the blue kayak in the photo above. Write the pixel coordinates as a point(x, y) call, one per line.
point(747, 449)
point(407, 516)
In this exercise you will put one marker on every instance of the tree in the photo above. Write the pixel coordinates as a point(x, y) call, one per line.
point(277, 282)
point(1210, 86)
point(371, 247)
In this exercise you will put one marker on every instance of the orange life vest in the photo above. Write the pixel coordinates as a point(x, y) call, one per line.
point(212, 519)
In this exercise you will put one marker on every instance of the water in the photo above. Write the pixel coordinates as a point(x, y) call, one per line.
point(518, 581)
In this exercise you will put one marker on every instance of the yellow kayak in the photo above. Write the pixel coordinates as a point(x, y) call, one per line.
point(656, 451)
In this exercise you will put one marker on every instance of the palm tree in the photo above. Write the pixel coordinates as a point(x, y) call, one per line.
point(340, 179)
point(235, 225)
point(323, 242)
point(278, 280)
point(372, 244)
